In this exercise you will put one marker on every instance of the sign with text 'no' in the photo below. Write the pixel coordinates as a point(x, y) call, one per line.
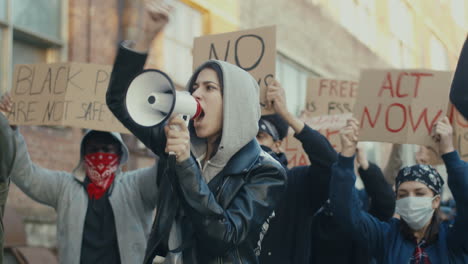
point(253, 50)
point(62, 94)
point(401, 106)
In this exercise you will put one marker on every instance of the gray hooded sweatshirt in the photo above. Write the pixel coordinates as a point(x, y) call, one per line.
point(241, 113)
point(132, 196)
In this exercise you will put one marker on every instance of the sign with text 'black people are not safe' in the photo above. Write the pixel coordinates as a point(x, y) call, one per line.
point(253, 50)
point(62, 94)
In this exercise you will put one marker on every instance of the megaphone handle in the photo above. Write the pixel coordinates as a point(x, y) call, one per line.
point(175, 127)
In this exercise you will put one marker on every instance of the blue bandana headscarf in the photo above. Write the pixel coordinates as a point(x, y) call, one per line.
point(425, 174)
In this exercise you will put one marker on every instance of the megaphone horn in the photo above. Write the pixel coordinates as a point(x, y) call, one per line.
point(151, 99)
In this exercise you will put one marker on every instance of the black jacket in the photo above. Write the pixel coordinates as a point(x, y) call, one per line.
point(459, 90)
point(332, 244)
point(288, 237)
point(222, 220)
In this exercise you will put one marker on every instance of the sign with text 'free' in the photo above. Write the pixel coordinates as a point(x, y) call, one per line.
point(62, 94)
point(330, 96)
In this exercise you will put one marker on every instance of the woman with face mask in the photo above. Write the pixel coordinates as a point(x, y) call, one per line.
point(215, 197)
point(419, 236)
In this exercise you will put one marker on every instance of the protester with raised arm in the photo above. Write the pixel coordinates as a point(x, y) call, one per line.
point(289, 238)
point(7, 157)
point(419, 236)
point(220, 188)
point(104, 215)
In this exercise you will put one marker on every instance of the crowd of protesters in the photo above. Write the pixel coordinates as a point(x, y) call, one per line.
point(222, 189)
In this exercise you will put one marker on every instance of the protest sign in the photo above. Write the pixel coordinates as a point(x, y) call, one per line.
point(330, 97)
point(328, 125)
point(253, 50)
point(62, 94)
point(401, 106)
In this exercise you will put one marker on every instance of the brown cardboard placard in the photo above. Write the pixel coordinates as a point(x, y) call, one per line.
point(62, 94)
point(253, 50)
point(330, 96)
point(401, 106)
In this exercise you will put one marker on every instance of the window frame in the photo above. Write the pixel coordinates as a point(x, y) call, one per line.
point(56, 49)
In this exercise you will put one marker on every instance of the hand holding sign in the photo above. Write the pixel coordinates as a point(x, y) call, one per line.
point(155, 19)
point(6, 104)
point(276, 98)
point(442, 133)
point(349, 137)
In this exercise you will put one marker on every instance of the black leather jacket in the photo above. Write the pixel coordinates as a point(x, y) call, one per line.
point(223, 219)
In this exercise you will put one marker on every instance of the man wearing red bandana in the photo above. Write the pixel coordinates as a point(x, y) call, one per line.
point(104, 215)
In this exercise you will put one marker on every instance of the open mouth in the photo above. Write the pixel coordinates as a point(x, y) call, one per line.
point(200, 117)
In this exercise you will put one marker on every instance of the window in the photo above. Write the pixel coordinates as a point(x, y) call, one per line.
point(395, 51)
point(39, 16)
point(32, 33)
point(458, 12)
point(293, 78)
point(3, 9)
point(401, 22)
point(439, 57)
point(24, 53)
point(186, 24)
point(348, 15)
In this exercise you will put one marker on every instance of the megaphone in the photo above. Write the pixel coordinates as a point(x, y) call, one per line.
point(152, 98)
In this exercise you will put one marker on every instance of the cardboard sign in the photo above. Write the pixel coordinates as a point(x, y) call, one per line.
point(252, 50)
point(401, 106)
point(460, 131)
point(330, 97)
point(329, 126)
point(62, 94)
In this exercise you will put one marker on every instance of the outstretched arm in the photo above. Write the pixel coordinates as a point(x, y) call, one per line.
point(40, 184)
point(457, 171)
point(345, 205)
point(130, 60)
point(318, 148)
point(380, 192)
point(7, 142)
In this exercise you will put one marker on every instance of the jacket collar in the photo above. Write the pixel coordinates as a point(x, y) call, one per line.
point(243, 160)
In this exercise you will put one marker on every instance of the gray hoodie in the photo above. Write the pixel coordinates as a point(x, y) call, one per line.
point(133, 197)
point(241, 113)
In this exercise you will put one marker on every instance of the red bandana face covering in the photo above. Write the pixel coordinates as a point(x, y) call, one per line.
point(100, 169)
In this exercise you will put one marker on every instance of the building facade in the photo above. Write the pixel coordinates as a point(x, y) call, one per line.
point(328, 38)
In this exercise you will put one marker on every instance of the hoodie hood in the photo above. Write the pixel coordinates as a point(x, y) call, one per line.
point(79, 171)
point(241, 113)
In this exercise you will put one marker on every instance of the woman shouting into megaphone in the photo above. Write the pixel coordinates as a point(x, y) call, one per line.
point(216, 195)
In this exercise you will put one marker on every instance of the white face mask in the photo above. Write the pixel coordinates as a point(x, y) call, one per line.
point(416, 211)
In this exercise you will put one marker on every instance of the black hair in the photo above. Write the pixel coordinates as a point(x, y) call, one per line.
point(210, 65)
point(107, 137)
